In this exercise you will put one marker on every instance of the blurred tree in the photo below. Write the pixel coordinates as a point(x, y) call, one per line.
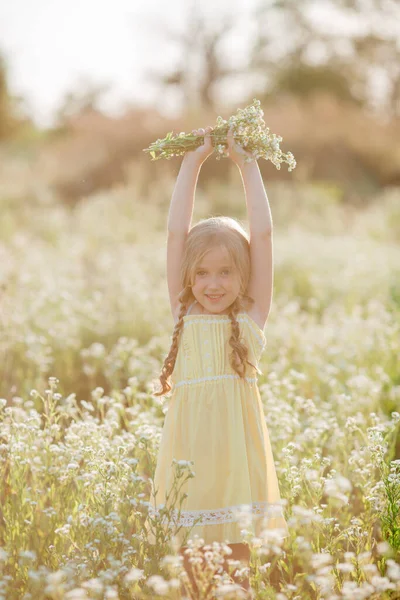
point(312, 57)
point(10, 106)
point(300, 79)
point(377, 49)
point(84, 98)
point(200, 64)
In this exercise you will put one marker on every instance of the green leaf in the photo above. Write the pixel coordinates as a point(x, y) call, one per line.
point(284, 566)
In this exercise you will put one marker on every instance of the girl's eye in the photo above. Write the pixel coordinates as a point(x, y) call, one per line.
point(224, 271)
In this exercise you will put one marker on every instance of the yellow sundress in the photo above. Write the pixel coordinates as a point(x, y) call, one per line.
point(216, 420)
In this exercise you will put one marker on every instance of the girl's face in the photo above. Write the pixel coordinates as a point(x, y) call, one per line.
point(216, 276)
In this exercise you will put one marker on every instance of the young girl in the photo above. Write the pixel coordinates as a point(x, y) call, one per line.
point(220, 287)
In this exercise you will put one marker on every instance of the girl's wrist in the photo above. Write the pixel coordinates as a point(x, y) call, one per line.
point(248, 166)
point(192, 160)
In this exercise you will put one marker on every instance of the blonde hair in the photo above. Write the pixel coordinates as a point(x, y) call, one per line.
point(206, 234)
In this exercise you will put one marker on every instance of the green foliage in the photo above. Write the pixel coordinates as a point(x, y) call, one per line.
point(302, 80)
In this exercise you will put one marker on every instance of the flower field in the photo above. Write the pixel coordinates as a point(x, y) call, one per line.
point(85, 325)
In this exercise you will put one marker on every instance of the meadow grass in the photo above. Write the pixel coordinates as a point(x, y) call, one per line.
point(85, 328)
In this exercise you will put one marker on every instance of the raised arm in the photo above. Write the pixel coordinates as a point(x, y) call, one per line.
point(258, 210)
point(179, 220)
point(260, 225)
point(181, 212)
point(182, 201)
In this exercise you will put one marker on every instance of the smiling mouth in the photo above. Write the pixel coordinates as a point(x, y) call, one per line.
point(214, 296)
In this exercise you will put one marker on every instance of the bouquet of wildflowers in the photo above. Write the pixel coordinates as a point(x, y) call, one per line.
point(249, 131)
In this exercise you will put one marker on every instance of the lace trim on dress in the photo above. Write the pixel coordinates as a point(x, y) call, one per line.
point(244, 318)
point(214, 377)
point(223, 515)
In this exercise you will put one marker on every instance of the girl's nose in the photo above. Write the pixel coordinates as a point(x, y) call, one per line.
point(215, 280)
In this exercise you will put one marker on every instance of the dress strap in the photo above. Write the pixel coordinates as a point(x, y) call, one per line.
point(190, 307)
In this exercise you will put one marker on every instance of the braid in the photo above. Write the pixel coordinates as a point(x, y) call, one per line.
point(240, 352)
point(169, 362)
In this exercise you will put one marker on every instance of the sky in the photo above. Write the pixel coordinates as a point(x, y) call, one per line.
point(51, 45)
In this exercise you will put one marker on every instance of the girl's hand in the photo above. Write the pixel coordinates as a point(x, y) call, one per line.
point(206, 149)
point(236, 152)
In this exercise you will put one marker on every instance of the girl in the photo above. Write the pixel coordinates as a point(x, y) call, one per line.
point(220, 288)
